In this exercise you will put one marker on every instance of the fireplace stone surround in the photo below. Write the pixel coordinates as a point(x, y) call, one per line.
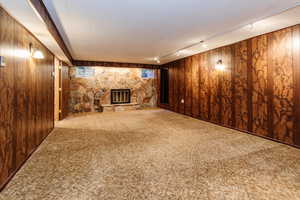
point(92, 94)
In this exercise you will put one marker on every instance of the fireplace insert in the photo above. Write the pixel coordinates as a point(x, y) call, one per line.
point(120, 96)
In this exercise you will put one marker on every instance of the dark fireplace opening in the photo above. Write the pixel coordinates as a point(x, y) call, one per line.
point(120, 96)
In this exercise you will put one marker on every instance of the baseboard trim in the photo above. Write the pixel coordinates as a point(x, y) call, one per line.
point(10, 177)
point(233, 128)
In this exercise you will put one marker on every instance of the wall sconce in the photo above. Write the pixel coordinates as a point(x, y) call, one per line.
point(35, 53)
point(220, 66)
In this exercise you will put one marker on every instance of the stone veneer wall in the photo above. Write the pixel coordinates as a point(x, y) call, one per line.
point(84, 90)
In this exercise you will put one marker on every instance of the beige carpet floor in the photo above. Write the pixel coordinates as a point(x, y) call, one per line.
point(155, 154)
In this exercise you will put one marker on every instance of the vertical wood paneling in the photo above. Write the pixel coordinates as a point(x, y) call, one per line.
point(249, 86)
point(7, 127)
point(66, 90)
point(157, 80)
point(283, 104)
point(32, 93)
point(259, 92)
point(26, 89)
point(20, 41)
point(188, 86)
point(204, 86)
point(241, 88)
point(181, 86)
point(296, 67)
point(195, 86)
point(176, 86)
point(259, 81)
point(226, 88)
point(56, 90)
point(171, 86)
point(214, 87)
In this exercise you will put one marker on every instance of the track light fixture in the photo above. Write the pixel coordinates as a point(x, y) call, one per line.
point(156, 59)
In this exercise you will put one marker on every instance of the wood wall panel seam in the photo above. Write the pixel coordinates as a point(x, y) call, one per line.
point(270, 92)
point(296, 67)
point(233, 53)
point(250, 86)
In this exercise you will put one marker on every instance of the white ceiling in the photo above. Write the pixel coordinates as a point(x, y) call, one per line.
point(138, 30)
point(23, 13)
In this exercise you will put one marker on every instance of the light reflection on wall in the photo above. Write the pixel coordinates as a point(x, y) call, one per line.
point(21, 53)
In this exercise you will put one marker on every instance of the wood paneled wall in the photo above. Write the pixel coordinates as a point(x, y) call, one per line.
point(26, 96)
point(259, 92)
point(65, 91)
point(57, 66)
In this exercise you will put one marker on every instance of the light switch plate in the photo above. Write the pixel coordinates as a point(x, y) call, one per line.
point(2, 61)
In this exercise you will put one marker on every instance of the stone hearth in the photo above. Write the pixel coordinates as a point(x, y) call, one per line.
point(120, 107)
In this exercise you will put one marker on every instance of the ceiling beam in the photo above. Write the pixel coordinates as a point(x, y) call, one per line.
point(114, 64)
point(43, 13)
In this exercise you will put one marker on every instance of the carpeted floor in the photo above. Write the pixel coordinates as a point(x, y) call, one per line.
point(155, 154)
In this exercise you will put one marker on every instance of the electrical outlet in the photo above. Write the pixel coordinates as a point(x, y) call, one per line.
point(2, 61)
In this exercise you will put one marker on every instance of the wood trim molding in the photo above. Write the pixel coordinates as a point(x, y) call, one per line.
point(114, 64)
point(43, 13)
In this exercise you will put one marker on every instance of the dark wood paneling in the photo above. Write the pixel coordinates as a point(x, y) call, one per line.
point(259, 92)
point(204, 86)
point(226, 87)
point(195, 86)
point(7, 100)
point(283, 85)
point(21, 39)
point(65, 89)
point(259, 80)
point(249, 86)
point(241, 87)
point(188, 86)
point(181, 86)
point(26, 87)
point(214, 86)
point(157, 81)
point(176, 86)
point(113, 64)
point(171, 85)
point(296, 67)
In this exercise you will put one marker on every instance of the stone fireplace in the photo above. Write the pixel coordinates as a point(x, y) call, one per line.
point(120, 96)
point(93, 94)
